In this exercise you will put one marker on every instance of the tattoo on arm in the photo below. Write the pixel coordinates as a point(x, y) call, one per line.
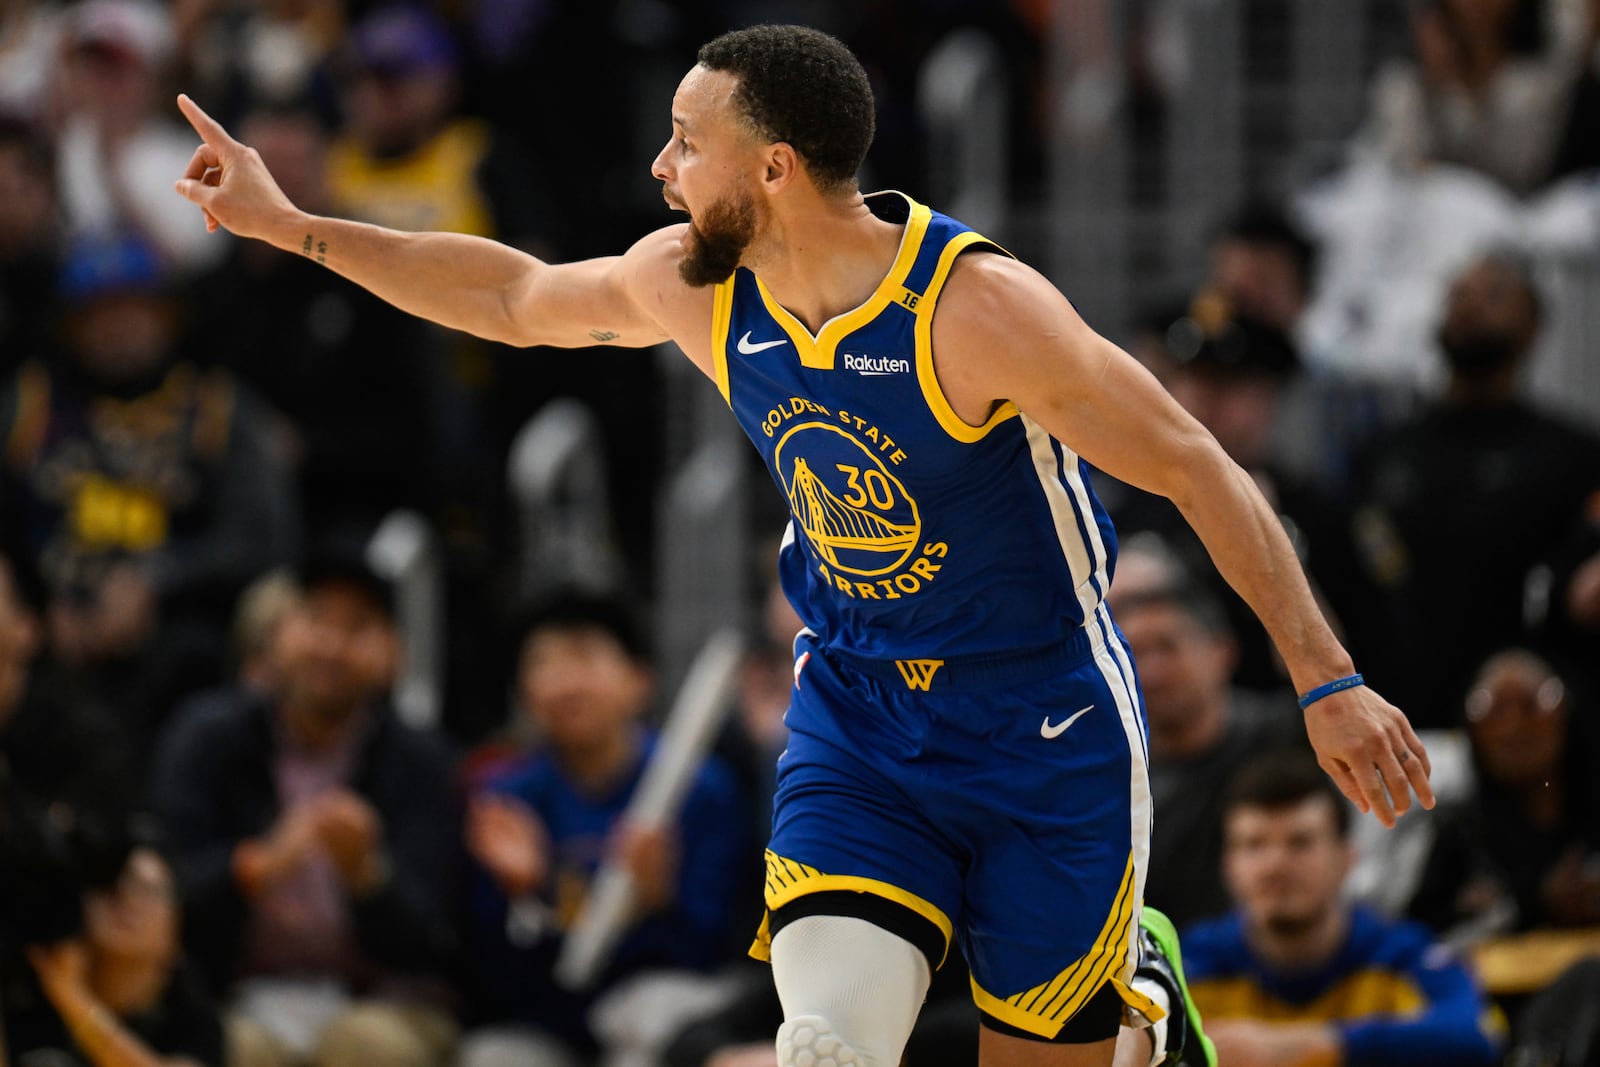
point(310, 245)
point(604, 335)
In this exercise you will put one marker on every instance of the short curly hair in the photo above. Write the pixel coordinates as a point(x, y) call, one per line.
point(803, 87)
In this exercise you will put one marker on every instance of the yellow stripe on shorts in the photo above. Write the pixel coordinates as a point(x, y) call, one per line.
point(1045, 1008)
point(788, 880)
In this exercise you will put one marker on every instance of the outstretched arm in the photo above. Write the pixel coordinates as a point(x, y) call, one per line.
point(464, 282)
point(1099, 402)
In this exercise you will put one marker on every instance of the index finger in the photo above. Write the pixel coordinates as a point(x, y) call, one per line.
point(209, 129)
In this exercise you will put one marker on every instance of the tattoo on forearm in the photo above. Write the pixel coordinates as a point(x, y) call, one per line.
point(311, 245)
point(604, 335)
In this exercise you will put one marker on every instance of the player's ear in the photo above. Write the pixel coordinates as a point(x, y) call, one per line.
point(782, 164)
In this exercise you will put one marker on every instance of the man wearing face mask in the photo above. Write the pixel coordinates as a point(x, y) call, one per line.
point(1458, 505)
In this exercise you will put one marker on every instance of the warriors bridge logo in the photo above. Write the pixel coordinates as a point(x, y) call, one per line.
point(862, 527)
point(856, 514)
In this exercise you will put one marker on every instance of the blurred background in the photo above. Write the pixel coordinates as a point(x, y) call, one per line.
point(288, 574)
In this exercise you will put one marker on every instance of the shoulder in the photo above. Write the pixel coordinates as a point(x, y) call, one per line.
point(650, 266)
point(1003, 308)
point(983, 280)
point(1002, 331)
point(1401, 944)
point(213, 722)
point(659, 249)
point(525, 777)
point(648, 273)
point(1569, 435)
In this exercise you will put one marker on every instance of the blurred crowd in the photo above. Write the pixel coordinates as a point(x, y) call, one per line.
point(223, 842)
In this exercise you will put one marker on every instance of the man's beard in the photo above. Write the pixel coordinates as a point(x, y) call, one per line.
point(718, 240)
point(1479, 354)
point(1291, 925)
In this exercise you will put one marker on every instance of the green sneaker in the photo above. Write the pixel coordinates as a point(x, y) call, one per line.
point(1161, 962)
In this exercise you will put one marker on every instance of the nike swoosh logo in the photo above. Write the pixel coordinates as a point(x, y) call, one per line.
point(746, 347)
point(1047, 731)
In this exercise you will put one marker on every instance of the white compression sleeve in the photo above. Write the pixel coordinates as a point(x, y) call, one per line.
point(850, 978)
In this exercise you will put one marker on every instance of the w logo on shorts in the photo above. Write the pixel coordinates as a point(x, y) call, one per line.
point(919, 673)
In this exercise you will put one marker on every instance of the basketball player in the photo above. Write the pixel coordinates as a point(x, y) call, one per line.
point(967, 751)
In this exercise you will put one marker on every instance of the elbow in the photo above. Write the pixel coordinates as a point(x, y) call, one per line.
point(515, 321)
point(1198, 468)
point(506, 327)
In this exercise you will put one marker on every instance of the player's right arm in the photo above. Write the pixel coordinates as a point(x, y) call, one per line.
point(467, 283)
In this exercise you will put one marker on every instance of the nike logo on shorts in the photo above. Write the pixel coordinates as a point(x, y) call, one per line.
point(1048, 731)
point(750, 348)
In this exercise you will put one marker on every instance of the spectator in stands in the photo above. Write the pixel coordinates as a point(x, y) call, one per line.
point(258, 629)
point(1570, 616)
point(1492, 87)
point(350, 374)
point(407, 158)
point(54, 743)
point(1263, 264)
point(314, 836)
point(1481, 460)
point(117, 143)
point(540, 829)
point(120, 992)
point(1295, 976)
point(29, 57)
point(1201, 730)
point(29, 235)
point(1523, 851)
point(243, 56)
point(141, 488)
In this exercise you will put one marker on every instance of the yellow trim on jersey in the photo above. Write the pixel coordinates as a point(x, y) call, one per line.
point(721, 316)
point(788, 881)
point(818, 352)
point(953, 424)
point(1045, 1008)
point(1369, 991)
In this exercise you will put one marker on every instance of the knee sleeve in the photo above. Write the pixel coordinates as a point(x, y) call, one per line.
point(850, 992)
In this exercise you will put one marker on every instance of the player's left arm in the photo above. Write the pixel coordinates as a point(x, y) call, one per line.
point(1003, 332)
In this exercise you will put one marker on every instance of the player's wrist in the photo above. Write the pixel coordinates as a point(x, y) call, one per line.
point(1329, 688)
point(296, 231)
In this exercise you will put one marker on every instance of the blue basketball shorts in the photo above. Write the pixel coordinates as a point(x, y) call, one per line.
point(1005, 800)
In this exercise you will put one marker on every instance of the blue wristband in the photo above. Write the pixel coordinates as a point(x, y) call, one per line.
point(1330, 688)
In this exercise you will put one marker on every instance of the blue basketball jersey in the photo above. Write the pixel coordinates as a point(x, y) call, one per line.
point(912, 533)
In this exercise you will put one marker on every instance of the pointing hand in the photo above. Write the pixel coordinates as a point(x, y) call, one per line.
point(230, 183)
